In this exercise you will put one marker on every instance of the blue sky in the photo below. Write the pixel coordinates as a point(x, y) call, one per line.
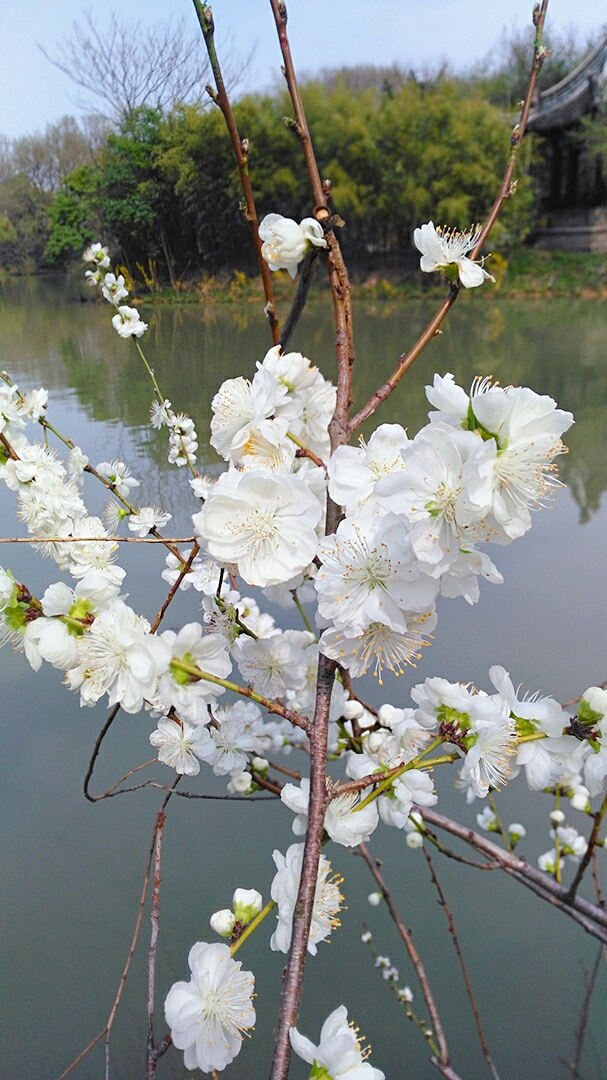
point(324, 33)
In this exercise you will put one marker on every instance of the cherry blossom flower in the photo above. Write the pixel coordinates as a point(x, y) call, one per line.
point(118, 657)
point(148, 518)
point(119, 476)
point(370, 574)
point(97, 254)
point(354, 471)
point(128, 323)
point(339, 1055)
point(208, 1014)
point(444, 248)
point(327, 899)
point(180, 745)
point(285, 242)
point(194, 648)
point(263, 522)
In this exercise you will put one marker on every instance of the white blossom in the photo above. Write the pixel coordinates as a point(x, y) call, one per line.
point(354, 471)
point(120, 658)
point(193, 648)
point(98, 255)
point(119, 476)
point(442, 248)
point(128, 323)
point(339, 1055)
point(208, 1014)
point(263, 522)
point(148, 518)
point(327, 899)
point(180, 745)
point(285, 242)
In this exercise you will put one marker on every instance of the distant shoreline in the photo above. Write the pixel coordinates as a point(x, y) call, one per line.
point(527, 274)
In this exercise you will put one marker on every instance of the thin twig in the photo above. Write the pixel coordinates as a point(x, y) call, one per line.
point(241, 152)
point(185, 569)
point(304, 905)
point(301, 296)
point(505, 191)
point(108, 1027)
point(336, 268)
point(462, 963)
point(442, 1062)
point(155, 927)
point(590, 916)
point(99, 540)
point(97, 747)
point(590, 981)
point(592, 843)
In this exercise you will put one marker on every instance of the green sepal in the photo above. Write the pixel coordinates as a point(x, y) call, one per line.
point(182, 678)
point(319, 1073)
point(586, 715)
point(447, 715)
point(472, 424)
point(524, 727)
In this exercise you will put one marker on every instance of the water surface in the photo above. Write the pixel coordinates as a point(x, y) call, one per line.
point(73, 871)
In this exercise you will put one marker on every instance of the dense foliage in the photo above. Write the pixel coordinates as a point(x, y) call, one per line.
point(164, 190)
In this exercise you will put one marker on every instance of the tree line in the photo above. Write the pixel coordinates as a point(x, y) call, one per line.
point(158, 182)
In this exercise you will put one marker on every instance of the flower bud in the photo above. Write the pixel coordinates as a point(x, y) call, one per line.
point(374, 899)
point(366, 937)
point(353, 710)
point(593, 705)
point(240, 784)
point(405, 993)
point(385, 714)
point(246, 904)
point(516, 832)
point(374, 741)
point(557, 817)
point(414, 840)
point(260, 765)
point(223, 922)
point(579, 801)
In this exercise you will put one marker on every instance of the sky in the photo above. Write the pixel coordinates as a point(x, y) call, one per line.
point(323, 33)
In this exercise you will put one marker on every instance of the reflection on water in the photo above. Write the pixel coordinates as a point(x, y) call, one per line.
point(75, 870)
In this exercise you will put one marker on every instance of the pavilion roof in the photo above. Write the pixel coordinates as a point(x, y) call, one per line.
point(574, 96)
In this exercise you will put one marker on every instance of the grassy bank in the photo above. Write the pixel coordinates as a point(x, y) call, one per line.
point(527, 273)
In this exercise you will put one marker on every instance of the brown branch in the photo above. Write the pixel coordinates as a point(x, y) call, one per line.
point(155, 927)
point(592, 843)
point(241, 152)
point(97, 747)
point(590, 981)
point(336, 268)
point(442, 1063)
point(7, 446)
point(185, 569)
point(505, 191)
point(108, 1027)
point(167, 541)
point(302, 914)
point(301, 296)
point(591, 917)
point(462, 963)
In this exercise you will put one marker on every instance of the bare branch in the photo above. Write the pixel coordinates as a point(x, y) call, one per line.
point(241, 152)
point(460, 956)
point(304, 905)
point(124, 66)
point(505, 192)
point(442, 1063)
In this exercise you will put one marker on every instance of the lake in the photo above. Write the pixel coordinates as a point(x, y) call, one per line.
point(73, 871)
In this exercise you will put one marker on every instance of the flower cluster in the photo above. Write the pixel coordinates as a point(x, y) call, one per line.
point(285, 242)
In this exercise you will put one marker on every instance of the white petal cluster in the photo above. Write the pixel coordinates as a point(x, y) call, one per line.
point(417, 509)
point(339, 1055)
point(443, 249)
point(285, 242)
point(327, 900)
point(208, 1014)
